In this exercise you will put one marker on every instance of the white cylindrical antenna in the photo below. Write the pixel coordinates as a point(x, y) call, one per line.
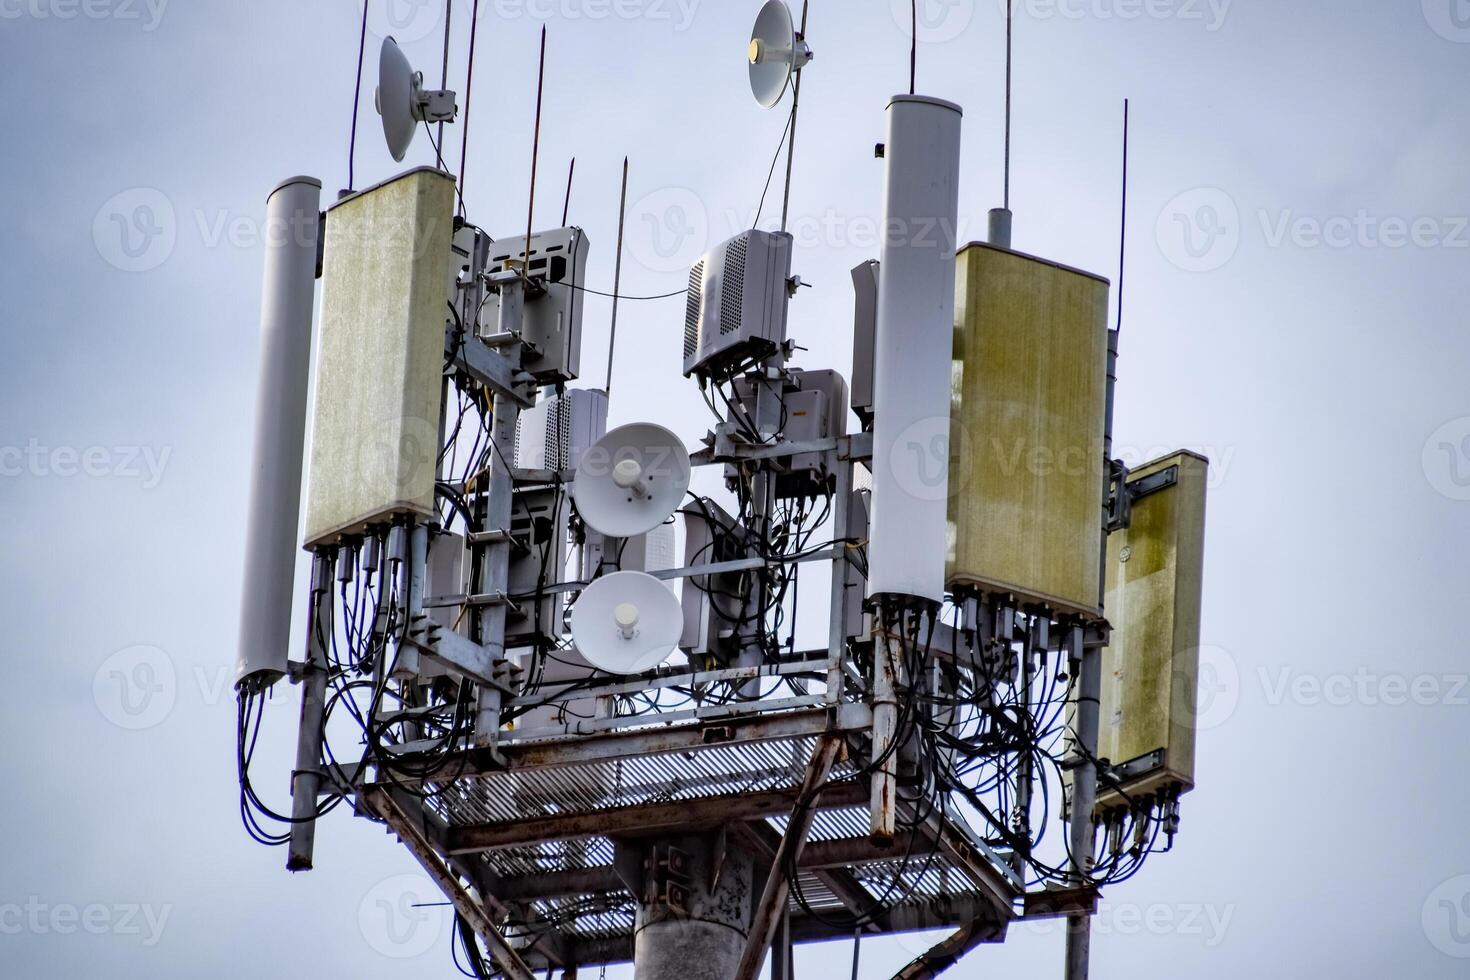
point(913, 349)
point(1000, 227)
point(271, 544)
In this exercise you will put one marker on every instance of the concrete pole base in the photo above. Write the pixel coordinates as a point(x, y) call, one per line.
point(696, 929)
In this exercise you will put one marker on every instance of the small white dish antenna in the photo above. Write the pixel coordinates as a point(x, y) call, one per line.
point(776, 53)
point(632, 480)
point(626, 623)
point(403, 102)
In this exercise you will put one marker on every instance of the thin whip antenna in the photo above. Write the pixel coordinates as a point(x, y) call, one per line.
point(913, 47)
point(1010, 18)
point(791, 146)
point(566, 207)
point(535, 157)
point(444, 83)
point(617, 280)
point(356, 100)
point(469, 87)
point(1123, 235)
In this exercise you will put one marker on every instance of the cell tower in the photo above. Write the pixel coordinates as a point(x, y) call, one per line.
point(607, 750)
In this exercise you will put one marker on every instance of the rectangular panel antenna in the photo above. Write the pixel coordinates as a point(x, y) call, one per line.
point(1155, 571)
point(375, 441)
point(1026, 449)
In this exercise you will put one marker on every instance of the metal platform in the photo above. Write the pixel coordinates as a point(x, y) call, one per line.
point(534, 825)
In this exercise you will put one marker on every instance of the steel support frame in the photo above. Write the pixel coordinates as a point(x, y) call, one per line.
point(495, 752)
point(500, 499)
point(643, 819)
point(762, 839)
point(307, 778)
point(465, 903)
point(771, 908)
point(511, 755)
point(951, 950)
point(803, 930)
point(1084, 796)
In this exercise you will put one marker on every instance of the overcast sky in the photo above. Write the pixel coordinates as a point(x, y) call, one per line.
point(1296, 309)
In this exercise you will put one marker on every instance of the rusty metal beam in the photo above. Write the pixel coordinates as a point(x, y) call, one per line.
point(510, 755)
point(887, 676)
point(950, 841)
point(683, 815)
point(923, 917)
point(951, 950)
point(764, 839)
point(1059, 902)
point(559, 884)
point(850, 852)
point(772, 903)
point(827, 860)
point(465, 903)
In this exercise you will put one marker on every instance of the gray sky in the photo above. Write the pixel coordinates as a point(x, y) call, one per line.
point(1296, 309)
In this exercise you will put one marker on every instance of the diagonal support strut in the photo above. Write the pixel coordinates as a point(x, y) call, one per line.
point(772, 905)
point(949, 951)
point(466, 904)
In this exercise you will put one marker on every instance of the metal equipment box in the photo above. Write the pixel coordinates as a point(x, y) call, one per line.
point(553, 434)
point(813, 407)
point(1026, 441)
point(1149, 703)
point(712, 604)
point(736, 307)
point(552, 320)
point(864, 335)
point(375, 438)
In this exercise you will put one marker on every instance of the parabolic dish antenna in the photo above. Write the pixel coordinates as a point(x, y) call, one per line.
point(403, 102)
point(626, 623)
point(632, 480)
point(776, 53)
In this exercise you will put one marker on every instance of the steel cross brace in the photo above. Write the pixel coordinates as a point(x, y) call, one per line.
point(951, 950)
point(772, 906)
point(465, 903)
